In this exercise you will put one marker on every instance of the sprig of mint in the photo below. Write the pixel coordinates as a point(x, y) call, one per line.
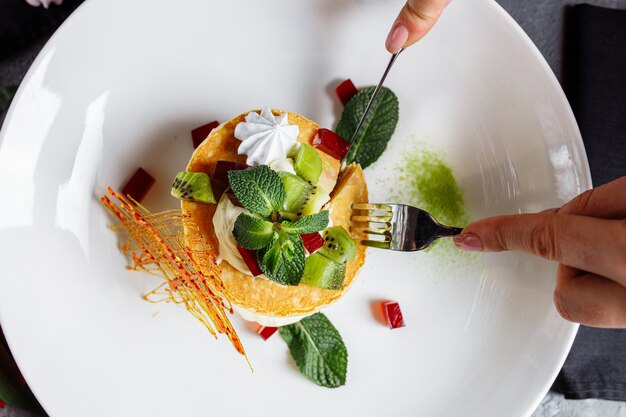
point(6, 94)
point(281, 253)
point(378, 126)
point(283, 260)
point(253, 233)
point(259, 189)
point(307, 224)
point(318, 350)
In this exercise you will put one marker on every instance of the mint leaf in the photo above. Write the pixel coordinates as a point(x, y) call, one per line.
point(253, 233)
point(283, 259)
point(259, 189)
point(377, 128)
point(307, 224)
point(6, 94)
point(316, 346)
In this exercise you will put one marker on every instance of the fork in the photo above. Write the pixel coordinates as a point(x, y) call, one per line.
point(398, 226)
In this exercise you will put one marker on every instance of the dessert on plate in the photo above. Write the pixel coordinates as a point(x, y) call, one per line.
point(275, 212)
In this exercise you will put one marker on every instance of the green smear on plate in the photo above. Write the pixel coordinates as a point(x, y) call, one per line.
point(427, 182)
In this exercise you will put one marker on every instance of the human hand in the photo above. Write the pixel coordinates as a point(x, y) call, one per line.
point(587, 236)
point(416, 18)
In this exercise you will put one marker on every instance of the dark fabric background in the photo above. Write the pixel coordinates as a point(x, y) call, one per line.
point(594, 69)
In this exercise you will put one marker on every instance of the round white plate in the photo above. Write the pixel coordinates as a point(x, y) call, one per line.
point(121, 84)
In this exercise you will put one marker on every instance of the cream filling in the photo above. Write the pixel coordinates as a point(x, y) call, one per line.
point(223, 222)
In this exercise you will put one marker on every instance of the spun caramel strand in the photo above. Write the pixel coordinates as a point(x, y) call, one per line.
point(156, 245)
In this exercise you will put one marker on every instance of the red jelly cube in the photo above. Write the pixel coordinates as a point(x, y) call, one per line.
point(331, 143)
point(266, 331)
point(393, 314)
point(345, 91)
point(200, 133)
point(138, 185)
point(233, 198)
point(222, 168)
point(312, 241)
point(2, 404)
point(249, 257)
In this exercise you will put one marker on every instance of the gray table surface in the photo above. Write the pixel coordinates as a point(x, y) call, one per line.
point(542, 20)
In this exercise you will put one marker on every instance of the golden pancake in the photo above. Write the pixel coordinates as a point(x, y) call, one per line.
point(261, 295)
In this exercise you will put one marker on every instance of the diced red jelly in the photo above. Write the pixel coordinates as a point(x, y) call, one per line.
point(138, 185)
point(312, 241)
point(222, 168)
point(331, 143)
point(345, 91)
point(2, 404)
point(200, 133)
point(393, 314)
point(233, 198)
point(266, 331)
point(249, 257)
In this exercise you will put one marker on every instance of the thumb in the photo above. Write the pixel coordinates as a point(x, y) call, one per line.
point(416, 18)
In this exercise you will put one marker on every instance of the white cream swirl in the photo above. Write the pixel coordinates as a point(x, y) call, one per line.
point(266, 138)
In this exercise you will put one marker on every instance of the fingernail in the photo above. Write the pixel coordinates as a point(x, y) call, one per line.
point(469, 242)
point(397, 38)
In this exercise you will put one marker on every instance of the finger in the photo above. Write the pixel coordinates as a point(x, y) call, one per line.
point(587, 243)
point(416, 18)
point(589, 299)
point(607, 201)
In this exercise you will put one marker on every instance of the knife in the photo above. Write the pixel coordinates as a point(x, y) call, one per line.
point(369, 106)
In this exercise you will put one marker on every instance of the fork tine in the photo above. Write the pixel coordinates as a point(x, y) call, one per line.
point(372, 231)
point(374, 219)
point(376, 244)
point(370, 206)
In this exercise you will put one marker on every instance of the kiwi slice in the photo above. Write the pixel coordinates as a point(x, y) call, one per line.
point(321, 272)
point(338, 245)
point(308, 163)
point(193, 186)
point(297, 191)
point(315, 202)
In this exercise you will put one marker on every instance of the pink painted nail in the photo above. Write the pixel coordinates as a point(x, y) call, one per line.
point(469, 242)
point(397, 38)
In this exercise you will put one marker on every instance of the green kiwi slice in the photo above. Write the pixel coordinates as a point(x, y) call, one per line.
point(321, 272)
point(338, 245)
point(297, 191)
point(193, 186)
point(308, 163)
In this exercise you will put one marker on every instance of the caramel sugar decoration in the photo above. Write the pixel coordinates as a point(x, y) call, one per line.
point(157, 245)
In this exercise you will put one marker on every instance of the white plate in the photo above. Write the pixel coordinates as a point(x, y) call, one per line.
point(122, 83)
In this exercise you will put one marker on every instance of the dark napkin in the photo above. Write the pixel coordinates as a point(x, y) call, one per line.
point(20, 23)
point(595, 83)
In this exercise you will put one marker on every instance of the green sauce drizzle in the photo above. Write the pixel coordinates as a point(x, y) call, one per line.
point(427, 182)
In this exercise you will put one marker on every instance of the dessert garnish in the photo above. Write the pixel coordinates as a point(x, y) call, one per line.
point(378, 126)
point(331, 143)
point(265, 137)
point(266, 331)
point(281, 253)
point(318, 350)
point(393, 314)
point(345, 91)
point(193, 186)
point(200, 133)
point(138, 185)
point(156, 245)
